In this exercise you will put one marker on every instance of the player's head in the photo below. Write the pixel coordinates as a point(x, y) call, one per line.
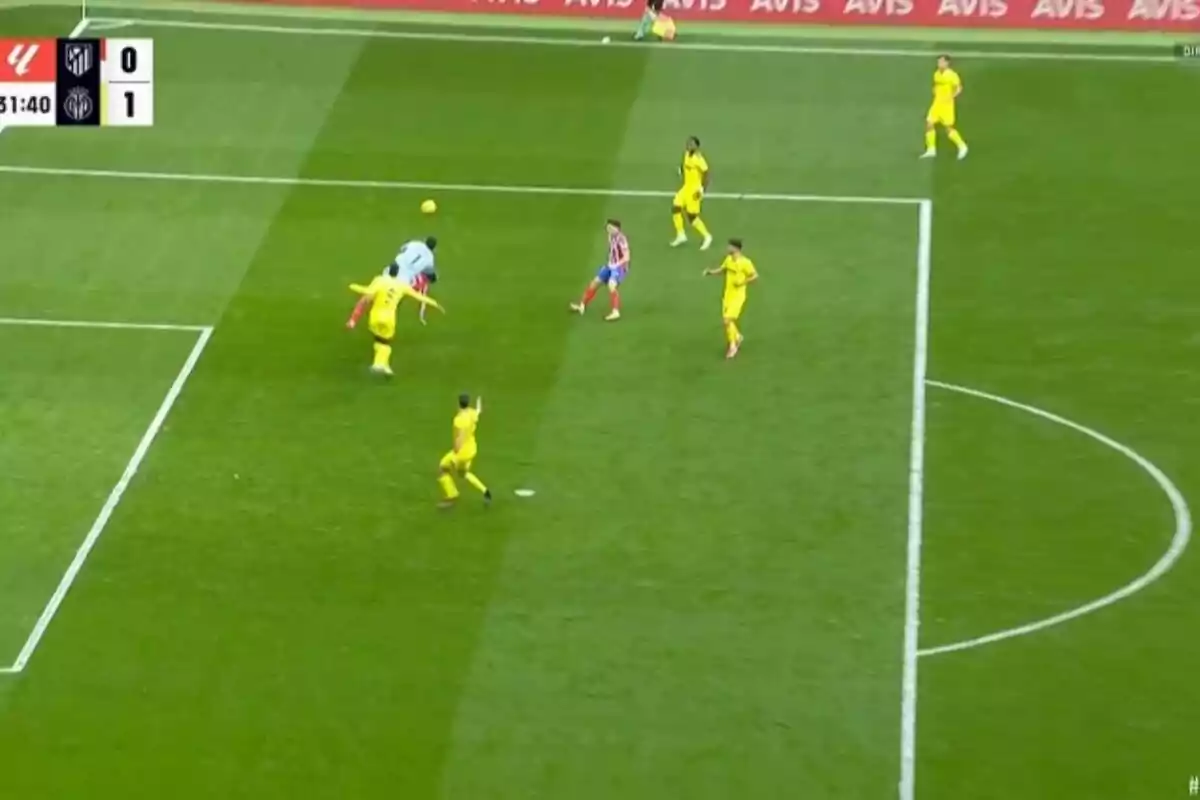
point(431, 242)
point(735, 247)
point(692, 144)
point(613, 226)
point(393, 270)
point(943, 61)
point(464, 400)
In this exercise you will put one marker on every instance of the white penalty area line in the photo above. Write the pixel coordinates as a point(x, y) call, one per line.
point(340, 183)
point(118, 491)
point(35, 322)
point(1179, 540)
point(595, 41)
point(916, 506)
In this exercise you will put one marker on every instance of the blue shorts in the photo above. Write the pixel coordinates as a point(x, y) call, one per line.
point(611, 274)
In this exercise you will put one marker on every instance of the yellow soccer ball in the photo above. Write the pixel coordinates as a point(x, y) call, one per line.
point(428, 207)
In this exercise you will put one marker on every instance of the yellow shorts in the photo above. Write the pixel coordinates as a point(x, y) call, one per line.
point(383, 326)
point(686, 199)
point(941, 114)
point(732, 305)
point(460, 462)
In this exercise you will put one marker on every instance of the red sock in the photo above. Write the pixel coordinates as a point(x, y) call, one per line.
point(588, 294)
point(359, 308)
point(615, 298)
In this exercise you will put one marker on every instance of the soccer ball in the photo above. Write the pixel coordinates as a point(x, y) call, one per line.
point(428, 207)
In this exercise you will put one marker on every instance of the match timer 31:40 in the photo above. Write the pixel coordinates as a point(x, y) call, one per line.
point(76, 82)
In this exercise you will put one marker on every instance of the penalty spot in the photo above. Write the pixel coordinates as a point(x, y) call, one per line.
point(524, 492)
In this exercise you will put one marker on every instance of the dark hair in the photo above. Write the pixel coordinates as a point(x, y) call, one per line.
point(736, 243)
point(695, 139)
point(464, 400)
point(943, 55)
point(431, 242)
point(616, 223)
point(393, 269)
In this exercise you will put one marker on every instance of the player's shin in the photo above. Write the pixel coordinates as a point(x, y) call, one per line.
point(588, 294)
point(930, 139)
point(954, 136)
point(383, 356)
point(677, 219)
point(473, 479)
point(449, 489)
point(614, 298)
point(644, 25)
point(359, 308)
point(731, 332)
point(701, 228)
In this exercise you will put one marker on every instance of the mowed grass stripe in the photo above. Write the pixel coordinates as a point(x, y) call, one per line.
point(304, 552)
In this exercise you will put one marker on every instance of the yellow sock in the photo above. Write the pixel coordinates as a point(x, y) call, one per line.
point(449, 489)
point(383, 355)
point(957, 138)
point(473, 479)
point(700, 227)
point(678, 220)
point(930, 139)
point(731, 332)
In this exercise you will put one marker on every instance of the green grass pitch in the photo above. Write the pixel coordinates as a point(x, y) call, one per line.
point(710, 594)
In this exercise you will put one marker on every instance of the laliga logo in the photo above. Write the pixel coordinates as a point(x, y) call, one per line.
point(21, 57)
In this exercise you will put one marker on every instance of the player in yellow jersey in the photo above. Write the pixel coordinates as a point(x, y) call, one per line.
point(947, 86)
point(739, 273)
point(386, 292)
point(690, 196)
point(463, 453)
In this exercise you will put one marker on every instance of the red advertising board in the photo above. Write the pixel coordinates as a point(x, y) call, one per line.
point(1120, 15)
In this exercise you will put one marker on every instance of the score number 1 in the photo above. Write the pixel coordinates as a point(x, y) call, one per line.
point(128, 77)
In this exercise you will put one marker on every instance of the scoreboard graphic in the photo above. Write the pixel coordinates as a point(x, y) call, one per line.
point(76, 82)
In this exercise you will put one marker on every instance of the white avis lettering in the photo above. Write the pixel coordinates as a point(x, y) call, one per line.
point(1069, 9)
point(694, 5)
point(598, 3)
point(21, 57)
point(786, 6)
point(1164, 10)
point(994, 9)
point(879, 8)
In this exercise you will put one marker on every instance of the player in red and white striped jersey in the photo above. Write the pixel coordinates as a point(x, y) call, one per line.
point(612, 273)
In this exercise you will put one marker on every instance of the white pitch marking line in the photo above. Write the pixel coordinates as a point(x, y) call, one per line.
point(110, 505)
point(916, 502)
point(338, 183)
point(78, 30)
point(1021, 55)
point(83, 323)
point(1179, 541)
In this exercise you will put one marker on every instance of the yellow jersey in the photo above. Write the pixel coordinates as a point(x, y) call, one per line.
point(946, 85)
point(738, 270)
point(695, 167)
point(386, 293)
point(465, 422)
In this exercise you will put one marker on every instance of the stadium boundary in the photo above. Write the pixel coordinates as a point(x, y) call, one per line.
point(577, 41)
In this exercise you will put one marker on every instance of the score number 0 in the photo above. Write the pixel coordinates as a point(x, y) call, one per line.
point(129, 80)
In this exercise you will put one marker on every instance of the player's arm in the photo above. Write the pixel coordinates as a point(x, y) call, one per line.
point(704, 175)
point(479, 406)
point(750, 277)
point(715, 270)
point(423, 299)
point(958, 86)
point(370, 290)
